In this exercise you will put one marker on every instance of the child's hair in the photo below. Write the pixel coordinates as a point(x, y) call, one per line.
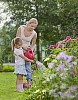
point(14, 41)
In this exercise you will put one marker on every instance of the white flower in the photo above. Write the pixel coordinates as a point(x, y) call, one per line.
point(47, 79)
point(70, 65)
point(52, 75)
point(50, 65)
point(51, 92)
point(63, 86)
point(61, 75)
point(74, 63)
point(40, 65)
point(55, 95)
point(56, 85)
point(65, 69)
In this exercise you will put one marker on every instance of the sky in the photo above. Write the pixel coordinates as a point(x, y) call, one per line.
point(4, 16)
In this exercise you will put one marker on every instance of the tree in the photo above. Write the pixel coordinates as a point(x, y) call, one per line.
point(42, 10)
point(56, 18)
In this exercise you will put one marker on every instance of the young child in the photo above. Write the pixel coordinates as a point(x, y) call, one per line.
point(19, 62)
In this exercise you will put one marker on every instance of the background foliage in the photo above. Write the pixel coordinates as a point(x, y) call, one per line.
point(57, 19)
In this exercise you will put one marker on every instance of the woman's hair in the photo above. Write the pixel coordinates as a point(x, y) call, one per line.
point(33, 20)
point(16, 41)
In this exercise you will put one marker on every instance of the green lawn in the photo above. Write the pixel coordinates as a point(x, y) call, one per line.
point(7, 87)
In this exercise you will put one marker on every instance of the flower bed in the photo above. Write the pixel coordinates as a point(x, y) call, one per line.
point(59, 80)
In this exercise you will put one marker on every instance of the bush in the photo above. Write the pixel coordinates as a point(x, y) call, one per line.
point(8, 68)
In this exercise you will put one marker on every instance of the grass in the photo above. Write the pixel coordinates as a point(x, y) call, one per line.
point(8, 86)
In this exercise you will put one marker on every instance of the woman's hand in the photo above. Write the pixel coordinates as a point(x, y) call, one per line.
point(32, 61)
point(24, 50)
point(29, 47)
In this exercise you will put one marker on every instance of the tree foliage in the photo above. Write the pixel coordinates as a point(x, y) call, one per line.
point(57, 18)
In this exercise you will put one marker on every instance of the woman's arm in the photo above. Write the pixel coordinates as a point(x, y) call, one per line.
point(33, 42)
point(18, 34)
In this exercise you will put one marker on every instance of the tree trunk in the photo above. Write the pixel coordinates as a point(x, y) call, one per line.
point(38, 43)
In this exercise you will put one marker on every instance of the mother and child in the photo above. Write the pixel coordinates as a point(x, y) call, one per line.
point(25, 39)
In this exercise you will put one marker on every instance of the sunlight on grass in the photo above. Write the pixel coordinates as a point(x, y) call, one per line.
point(7, 87)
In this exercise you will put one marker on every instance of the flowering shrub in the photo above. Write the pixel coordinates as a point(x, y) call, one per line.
point(60, 44)
point(62, 77)
point(71, 48)
point(59, 81)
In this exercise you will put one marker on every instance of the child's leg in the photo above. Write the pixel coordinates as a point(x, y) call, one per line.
point(19, 83)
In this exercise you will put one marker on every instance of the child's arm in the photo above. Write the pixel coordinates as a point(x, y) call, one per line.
point(25, 58)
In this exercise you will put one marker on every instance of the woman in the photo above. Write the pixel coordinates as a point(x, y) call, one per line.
point(29, 36)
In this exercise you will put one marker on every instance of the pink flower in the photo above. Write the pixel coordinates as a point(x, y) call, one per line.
point(68, 37)
point(52, 46)
point(58, 45)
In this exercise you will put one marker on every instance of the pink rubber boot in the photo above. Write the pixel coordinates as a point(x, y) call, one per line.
point(19, 88)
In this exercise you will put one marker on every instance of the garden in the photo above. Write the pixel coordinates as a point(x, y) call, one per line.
point(58, 80)
point(55, 76)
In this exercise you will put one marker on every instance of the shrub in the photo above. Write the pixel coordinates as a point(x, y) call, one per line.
point(8, 68)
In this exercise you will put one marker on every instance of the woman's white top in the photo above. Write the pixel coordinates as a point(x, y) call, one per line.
point(26, 40)
point(18, 59)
